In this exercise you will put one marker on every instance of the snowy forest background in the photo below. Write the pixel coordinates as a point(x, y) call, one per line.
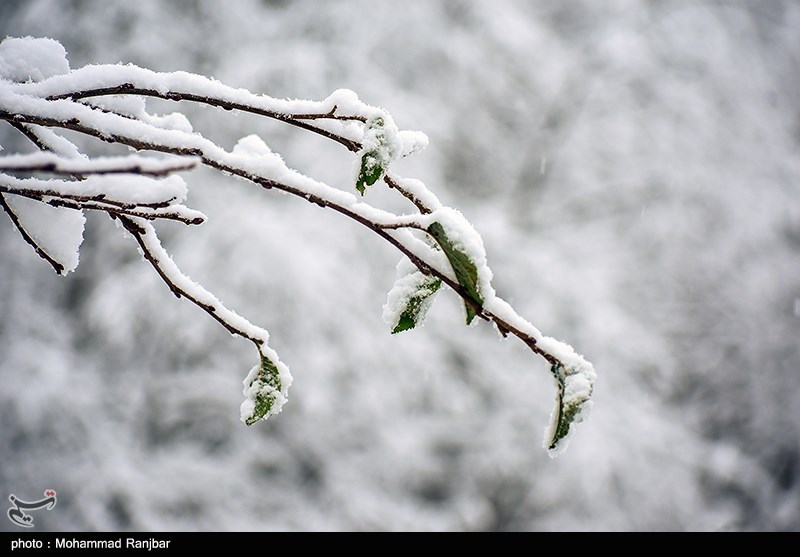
point(633, 167)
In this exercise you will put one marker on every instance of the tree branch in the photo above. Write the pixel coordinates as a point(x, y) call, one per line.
point(177, 213)
point(297, 120)
point(131, 164)
point(74, 124)
point(47, 104)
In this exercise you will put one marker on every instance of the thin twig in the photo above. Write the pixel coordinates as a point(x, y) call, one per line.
point(392, 183)
point(58, 267)
point(400, 226)
point(99, 203)
point(26, 131)
point(138, 232)
point(53, 168)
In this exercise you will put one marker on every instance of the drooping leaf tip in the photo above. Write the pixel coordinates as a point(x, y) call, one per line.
point(406, 323)
point(573, 402)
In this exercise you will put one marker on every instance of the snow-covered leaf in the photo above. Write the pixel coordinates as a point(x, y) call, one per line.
point(381, 146)
point(370, 172)
point(409, 301)
point(573, 401)
point(262, 390)
point(465, 269)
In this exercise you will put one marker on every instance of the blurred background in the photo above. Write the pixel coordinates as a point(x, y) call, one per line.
point(633, 167)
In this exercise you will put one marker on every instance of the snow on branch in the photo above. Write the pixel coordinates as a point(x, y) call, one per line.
point(40, 97)
point(131, 164)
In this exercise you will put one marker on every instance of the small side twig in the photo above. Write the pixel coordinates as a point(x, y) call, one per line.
point(26, 131)
point(58, 267)
point(145, 235)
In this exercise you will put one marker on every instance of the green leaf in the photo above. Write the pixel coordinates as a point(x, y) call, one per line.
point(375, 156)
point(268, 382)
point(464, 268)
point(564, 419)
point(417, 305)
point(569, 409)
point(371, 171)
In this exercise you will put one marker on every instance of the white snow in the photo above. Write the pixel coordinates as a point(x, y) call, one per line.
point(346, 102)
point(136, 107)
point(253, 147)
point(419, 190)
point(114, 75)
point(56, 143)
point(30, 59)
point(122, 188)
point(412, 142)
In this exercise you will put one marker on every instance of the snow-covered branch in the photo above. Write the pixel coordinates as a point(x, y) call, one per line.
point(131, 164)
point(109, 103)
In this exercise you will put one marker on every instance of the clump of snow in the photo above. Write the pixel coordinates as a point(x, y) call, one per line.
point(346, 102)
point(56, 230)
point(56, 143)
point(31, 59)
point(252, 153)
point(252, 145)
point(136, 107)
point(128, 105)
point(412, 142)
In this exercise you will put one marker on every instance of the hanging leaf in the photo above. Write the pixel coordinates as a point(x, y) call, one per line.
point(262, 387)
point(464, 268)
